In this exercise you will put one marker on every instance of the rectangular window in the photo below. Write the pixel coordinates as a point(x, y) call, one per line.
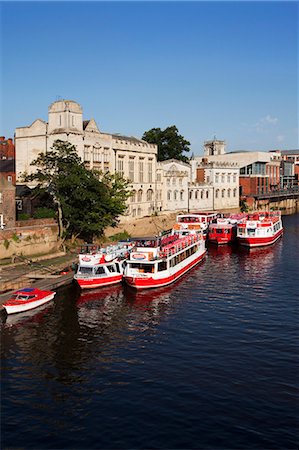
point(106, 154)
point(131, 169)
point(120, 166)
point(140, 171)
point(150, 172)
point(86, 152)
point(96, 154)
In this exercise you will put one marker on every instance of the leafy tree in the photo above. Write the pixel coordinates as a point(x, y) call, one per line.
point(86, 201)
point(171, 145)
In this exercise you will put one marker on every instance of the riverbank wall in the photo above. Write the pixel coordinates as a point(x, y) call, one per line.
point(30, 237)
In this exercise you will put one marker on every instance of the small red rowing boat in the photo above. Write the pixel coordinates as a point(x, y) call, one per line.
point(27, 298)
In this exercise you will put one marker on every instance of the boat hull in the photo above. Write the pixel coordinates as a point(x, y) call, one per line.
point(26, 306)
point(151, 282)
point(259, 241)
point(92, 283)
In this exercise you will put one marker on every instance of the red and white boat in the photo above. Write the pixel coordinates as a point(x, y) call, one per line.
point(260, 229)
point(101, 266)
point(197, 222)
point(26, 299)
point(224, 230)
point(156, 262)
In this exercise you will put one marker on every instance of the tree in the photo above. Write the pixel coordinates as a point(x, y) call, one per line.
point(171, 145)
point(87, 201)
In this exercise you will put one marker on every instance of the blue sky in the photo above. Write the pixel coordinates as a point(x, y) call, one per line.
point(224, 69)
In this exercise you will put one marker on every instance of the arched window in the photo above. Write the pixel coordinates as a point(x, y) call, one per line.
point(139, 197)
point(217, 193)
point(133, 197)
point(235, 192)
point(207, 194)
point(182, 195)
point(168, 182)
point(228, 192)
point(196, 194)
point(223, 193)
point(149, 195)
point(201, 194)
point(169, 195)
point(190, 195)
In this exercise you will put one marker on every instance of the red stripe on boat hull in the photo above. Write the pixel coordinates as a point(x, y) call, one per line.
point(98, 282)
point(147, 283)
point(260, 242)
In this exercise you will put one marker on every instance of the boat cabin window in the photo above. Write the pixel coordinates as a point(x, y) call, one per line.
point(100, 271)
point(83, 269)
point(251, 231)
point(111, 268)
point(162, 266)
point(145, 268)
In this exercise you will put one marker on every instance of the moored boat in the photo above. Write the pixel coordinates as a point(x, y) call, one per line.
point(26, 299)
point(159, 261)
point(222, 233)
point(195, 222)
point(101, 266)
point(224, 229)
point(260, 229)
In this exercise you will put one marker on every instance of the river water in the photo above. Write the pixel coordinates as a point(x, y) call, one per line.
point(208, 363)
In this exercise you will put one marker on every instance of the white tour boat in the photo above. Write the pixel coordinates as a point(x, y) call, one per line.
point(101, 266)
point(159, 261)
point(26, 299)
point(259, 229)
point(196, 222)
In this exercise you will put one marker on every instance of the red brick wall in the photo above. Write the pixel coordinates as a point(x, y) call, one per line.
point(200, 175)
point(7, 148)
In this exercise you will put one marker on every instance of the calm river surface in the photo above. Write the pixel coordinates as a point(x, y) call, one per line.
point(208, 363)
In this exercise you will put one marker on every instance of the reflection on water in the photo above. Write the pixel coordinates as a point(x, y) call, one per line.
point(163, 368)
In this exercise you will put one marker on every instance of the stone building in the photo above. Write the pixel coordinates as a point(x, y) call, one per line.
point(134, 158)
point(173, 179)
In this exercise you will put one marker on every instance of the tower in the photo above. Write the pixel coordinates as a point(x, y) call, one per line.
point(214, 148)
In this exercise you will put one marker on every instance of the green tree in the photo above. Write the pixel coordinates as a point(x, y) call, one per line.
point(87, 201)
point(171, 145)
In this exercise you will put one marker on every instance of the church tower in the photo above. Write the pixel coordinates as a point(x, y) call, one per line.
point(214, 148)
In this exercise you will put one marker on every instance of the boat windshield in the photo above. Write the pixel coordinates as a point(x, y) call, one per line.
point(83, 269)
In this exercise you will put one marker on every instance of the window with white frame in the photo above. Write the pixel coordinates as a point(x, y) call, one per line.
point(223, 193)
point(133, 197)
point(120, 166)
point(217, 178)
point(139, 196)
point(131, 168)
point(149, 195)
point(217, 193)
point(86, 152)
point(228, 177)
point(235, 192)
point(168, 195)
point(140, 171)
point(106, 154)
point(96, 154)
point(150, 171)
point(222, 178)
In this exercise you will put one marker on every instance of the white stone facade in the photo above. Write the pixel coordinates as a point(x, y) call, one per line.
point(173, 179)
point(215, 185)
point(134, 158)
